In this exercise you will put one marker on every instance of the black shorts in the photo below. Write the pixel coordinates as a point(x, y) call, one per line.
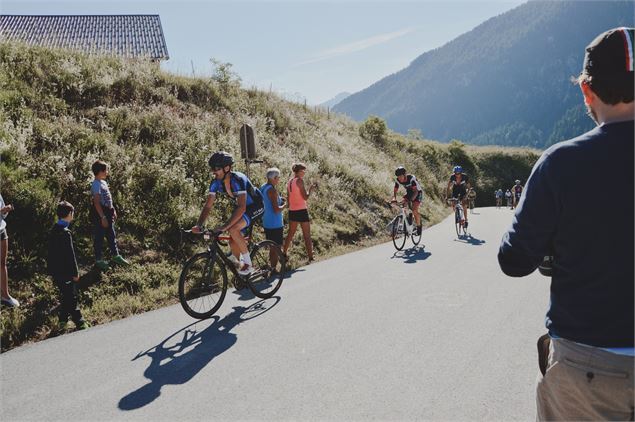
point(3, 234)
point(275, 235)
point(299, 216)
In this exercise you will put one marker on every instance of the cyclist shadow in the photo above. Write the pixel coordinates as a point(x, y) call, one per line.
point(183, 354)
point(412, 255)
point(471, 240)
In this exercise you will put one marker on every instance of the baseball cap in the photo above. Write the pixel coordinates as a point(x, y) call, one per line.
point(610, 55)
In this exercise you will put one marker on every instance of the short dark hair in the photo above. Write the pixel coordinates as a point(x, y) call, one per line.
point(296, 167)
point(610, 90)
point(99, 166)
point(64, 208)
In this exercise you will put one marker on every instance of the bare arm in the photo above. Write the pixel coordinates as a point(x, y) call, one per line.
point(274, 201)
point(97, 204)
point(209, 202)
point(303, 191)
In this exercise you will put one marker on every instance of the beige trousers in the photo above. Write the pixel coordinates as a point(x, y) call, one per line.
point(585, 383)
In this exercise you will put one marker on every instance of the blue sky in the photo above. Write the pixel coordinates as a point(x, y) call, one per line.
point(299, 48)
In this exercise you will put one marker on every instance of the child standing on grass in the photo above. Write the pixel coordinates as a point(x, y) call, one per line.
point(62, 266)
point(103, 215)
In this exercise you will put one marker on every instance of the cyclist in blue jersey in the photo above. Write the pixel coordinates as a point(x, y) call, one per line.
point(458, 186)
point(249, 206)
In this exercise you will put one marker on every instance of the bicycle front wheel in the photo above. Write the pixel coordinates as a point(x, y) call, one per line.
point(202, 285)
point(269, 269)
point(457, 222)
point(399, 233)
point(416, 236)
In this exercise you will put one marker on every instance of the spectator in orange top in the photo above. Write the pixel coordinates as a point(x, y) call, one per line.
point(298, 211)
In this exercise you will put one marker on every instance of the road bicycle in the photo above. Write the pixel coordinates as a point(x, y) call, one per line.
point(403, 226)
point(459, 217)
point(203, 282)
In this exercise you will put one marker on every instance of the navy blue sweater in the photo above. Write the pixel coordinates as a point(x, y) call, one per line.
point(578, 206)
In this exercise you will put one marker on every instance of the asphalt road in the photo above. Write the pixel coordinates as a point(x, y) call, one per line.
point(435, 333)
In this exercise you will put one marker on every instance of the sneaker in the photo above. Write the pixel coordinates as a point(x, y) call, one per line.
point(102, 265)
point(82, 325)
point(418, 230)
point(120, 260)
point(10, 302)
point(246, 269)
point(233, 260)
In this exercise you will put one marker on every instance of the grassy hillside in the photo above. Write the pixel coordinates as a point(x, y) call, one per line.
point(60, 111)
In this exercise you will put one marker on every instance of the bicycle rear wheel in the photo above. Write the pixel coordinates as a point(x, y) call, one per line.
point(399, 232)
point(202, 285)
point(269, 269)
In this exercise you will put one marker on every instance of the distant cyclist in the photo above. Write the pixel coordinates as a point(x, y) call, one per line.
point(414, 193)
point(508, 196)
point(249, 206)
point(458, 186)
point(499, 198)
point(471, 196)
point(517, 190)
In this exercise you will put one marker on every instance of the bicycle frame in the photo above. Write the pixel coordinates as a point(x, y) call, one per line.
point(410, 226)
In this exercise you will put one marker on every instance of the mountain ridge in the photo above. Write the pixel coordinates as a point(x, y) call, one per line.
point(505, 82)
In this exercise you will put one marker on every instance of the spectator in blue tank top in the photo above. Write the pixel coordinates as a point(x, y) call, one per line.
point(274, 204)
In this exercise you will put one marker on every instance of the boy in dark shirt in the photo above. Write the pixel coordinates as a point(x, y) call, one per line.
point(62, 266)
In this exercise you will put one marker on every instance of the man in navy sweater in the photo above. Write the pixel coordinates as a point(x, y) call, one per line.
point(587, 364)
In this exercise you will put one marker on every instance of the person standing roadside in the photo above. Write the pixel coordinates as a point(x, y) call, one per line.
point(272, 220)
point(62, 266)
point(586, 360)
point(103, 215)
point(7, 300)
point(298, 209)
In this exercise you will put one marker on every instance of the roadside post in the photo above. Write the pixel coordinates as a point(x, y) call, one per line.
point(248, 147)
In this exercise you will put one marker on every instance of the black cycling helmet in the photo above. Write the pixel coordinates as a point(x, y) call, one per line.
point(220, 159)
point(400, 171)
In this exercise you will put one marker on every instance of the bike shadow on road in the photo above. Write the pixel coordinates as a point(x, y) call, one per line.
point(183, 354)
point(412, 255)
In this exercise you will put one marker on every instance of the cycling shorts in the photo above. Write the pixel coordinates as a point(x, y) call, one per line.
point(252, 214)
point(418, 199)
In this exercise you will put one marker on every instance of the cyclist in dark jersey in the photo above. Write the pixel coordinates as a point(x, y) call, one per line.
point(460, 184)
point(249, 206)
point(517, 190)
point(414, 193)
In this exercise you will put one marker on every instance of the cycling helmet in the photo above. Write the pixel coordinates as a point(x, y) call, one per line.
point(517, 182)
point(400, 171)
point(220, 159)
point(458, 169)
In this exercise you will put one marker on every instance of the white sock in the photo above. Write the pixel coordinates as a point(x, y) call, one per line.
point(244, 257)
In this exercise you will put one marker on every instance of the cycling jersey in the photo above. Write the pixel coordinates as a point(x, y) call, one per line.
point(459, 189)
point(412, 187)
point(241, 185)
point(518, 190)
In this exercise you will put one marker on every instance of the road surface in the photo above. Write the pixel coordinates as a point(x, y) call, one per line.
point(429, 333)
